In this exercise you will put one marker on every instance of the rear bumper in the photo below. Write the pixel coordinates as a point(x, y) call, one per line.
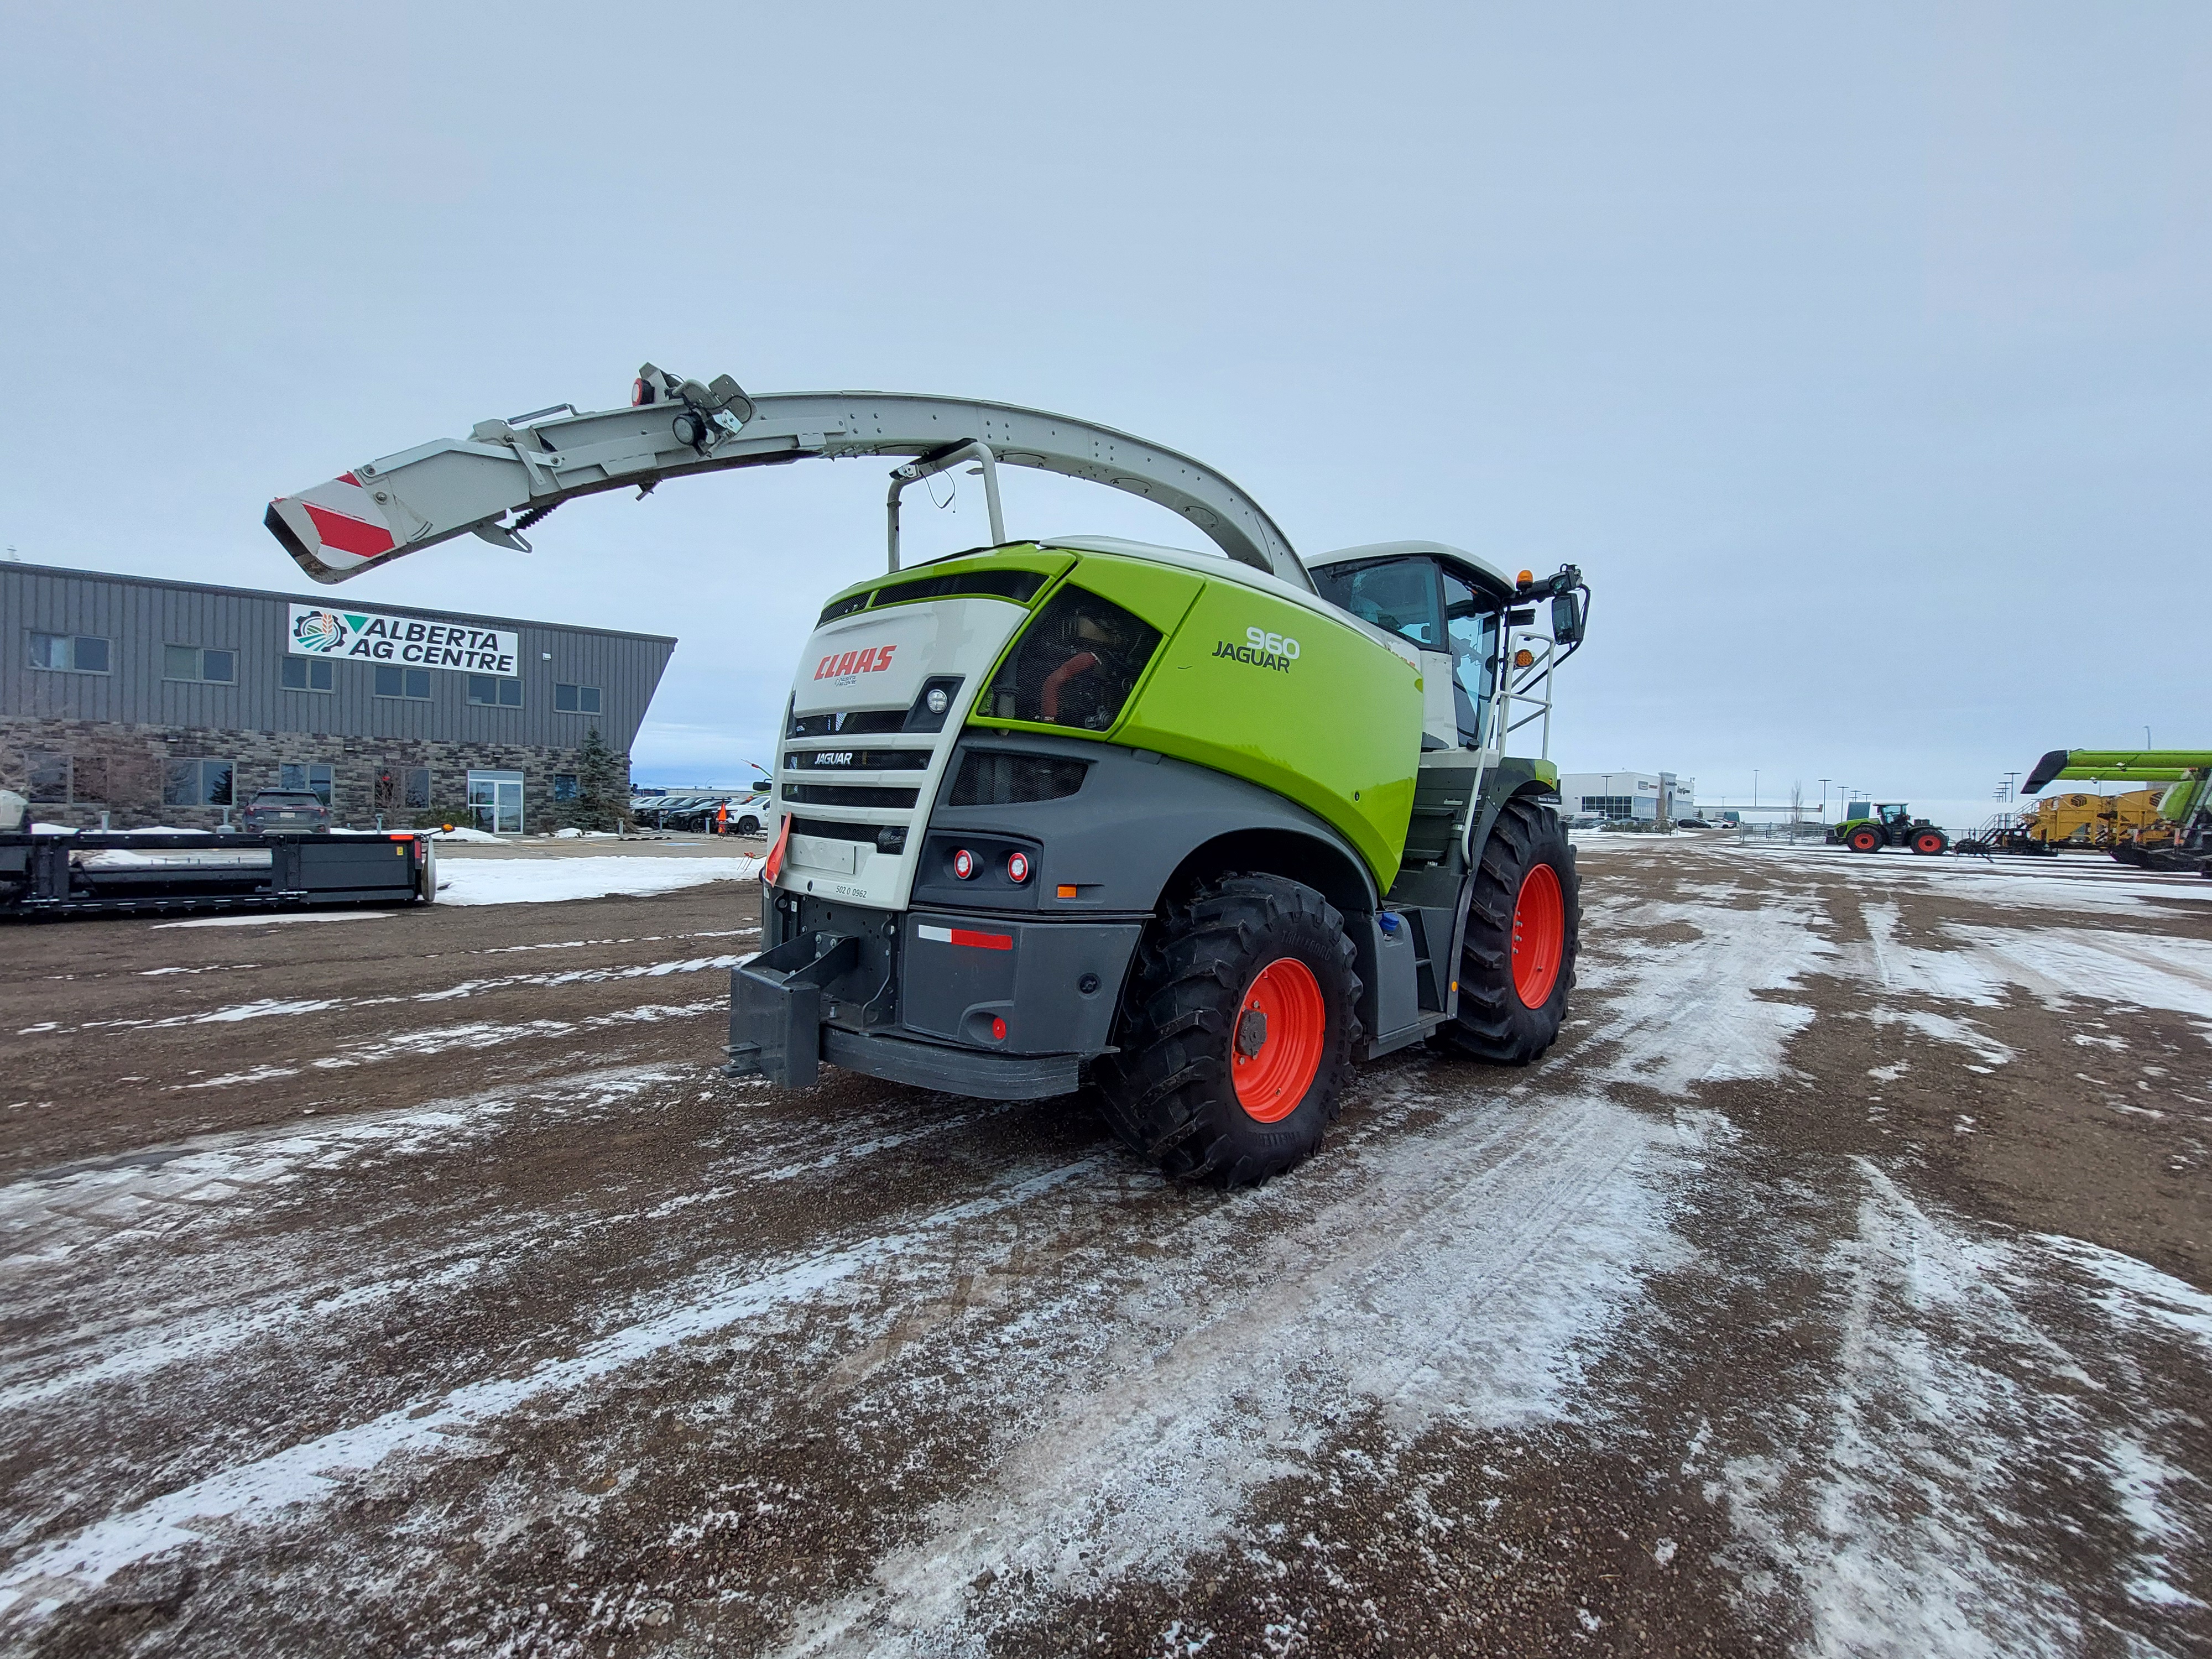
point(998, 1009)
point(954, 1070)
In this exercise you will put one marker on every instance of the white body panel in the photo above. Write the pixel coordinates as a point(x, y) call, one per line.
point(921, 640)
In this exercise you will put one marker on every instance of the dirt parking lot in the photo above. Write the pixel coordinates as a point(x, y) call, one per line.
point(414, 1284)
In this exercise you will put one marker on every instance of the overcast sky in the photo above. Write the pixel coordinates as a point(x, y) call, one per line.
point(1859, 355)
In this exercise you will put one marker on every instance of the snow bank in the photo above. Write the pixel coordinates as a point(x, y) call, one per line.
point(533, 881)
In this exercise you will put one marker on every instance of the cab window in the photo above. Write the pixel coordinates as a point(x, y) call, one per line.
point(1473, 627)
point(1398, 595)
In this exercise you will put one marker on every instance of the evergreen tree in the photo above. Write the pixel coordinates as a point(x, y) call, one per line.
point(602, 786)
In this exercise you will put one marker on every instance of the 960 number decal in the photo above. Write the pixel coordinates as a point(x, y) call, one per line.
point(1261, 649)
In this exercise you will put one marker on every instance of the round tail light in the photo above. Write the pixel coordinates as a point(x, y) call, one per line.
point(1018, 867)
point(964, 864)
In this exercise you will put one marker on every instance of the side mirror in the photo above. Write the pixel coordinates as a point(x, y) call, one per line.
point(1567, 619)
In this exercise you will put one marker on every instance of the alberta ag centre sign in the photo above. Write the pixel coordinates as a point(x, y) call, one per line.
point(419, 642)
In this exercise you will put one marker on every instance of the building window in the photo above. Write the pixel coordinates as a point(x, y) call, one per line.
point(419, 787)
point(291, 775)
point(1610, 806)
point(79, 653)
point(576, 699)
point(490, 691)
point(197, 783)
point(60, 778)
point(50, 777)
point(567, 787)
point(395, 682)
point(193, 662)
point(308, 673)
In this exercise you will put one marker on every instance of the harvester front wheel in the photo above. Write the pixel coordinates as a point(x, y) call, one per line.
point(1236, 1035)
point(1522, 922)
point(1865, 839)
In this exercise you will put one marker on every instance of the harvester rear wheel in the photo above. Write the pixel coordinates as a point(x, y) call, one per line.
point(1522, 922)
point(1237, 1033)
point(1865, 839)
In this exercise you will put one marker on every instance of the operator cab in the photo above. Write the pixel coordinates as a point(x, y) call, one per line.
point(1449, 605)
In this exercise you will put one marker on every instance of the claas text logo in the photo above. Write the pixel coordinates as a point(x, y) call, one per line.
point(873, 660)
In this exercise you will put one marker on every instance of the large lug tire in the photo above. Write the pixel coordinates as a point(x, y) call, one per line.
point(1865, 839)
point(1523, 920)
point(1929, 842)
point(1236, 1034)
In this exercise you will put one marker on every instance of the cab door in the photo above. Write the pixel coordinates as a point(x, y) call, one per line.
point(1403, 595)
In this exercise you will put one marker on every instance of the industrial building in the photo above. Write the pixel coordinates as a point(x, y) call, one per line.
point(1650, 796)
point(135, 702)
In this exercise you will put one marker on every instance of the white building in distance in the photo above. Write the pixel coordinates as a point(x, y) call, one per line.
point(1646, 795)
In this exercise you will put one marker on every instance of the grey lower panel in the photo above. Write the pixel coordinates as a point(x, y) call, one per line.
point(1050, 987)
point(953, 1071)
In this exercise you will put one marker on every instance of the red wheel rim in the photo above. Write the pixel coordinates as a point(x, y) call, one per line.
point(1540, 935)
point(1285, 1040)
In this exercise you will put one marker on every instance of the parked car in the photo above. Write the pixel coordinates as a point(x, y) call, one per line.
point(1691, 823)
point(286, 808)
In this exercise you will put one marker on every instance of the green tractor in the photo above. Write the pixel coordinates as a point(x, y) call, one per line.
point(1869, 828)
point(1199, 832)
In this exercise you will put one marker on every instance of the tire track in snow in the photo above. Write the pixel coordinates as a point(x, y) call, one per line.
point(280, 1486)
point(101, 1211)
point(1451, 1271)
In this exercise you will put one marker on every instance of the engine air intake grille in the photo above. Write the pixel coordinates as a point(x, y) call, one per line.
point(986, 779)
point(847, 794)
point(838, 725)
point(1019, 585)
point(837, 829)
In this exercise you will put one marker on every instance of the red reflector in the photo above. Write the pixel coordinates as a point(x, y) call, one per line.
point(1018, 867)
point(983, 941)
point(964, 864)
point(998, 1029)
point(348, 535)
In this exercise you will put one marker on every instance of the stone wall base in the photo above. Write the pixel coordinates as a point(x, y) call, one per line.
point(119, 769)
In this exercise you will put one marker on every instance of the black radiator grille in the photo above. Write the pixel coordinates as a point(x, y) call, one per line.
point(847, 794)
point(847, 725)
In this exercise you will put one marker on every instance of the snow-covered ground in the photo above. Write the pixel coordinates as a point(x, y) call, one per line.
point(617, 1353)
point(548, 881)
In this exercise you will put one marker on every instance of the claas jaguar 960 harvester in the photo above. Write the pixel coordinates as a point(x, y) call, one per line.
point(1202, 830)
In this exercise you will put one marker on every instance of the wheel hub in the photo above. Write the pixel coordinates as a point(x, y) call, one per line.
point(1540, 935)
point(1282, 1027)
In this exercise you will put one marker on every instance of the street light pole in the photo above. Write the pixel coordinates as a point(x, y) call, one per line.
point(1824, 801)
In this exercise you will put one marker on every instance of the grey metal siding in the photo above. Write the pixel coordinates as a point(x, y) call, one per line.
point(139, 617)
